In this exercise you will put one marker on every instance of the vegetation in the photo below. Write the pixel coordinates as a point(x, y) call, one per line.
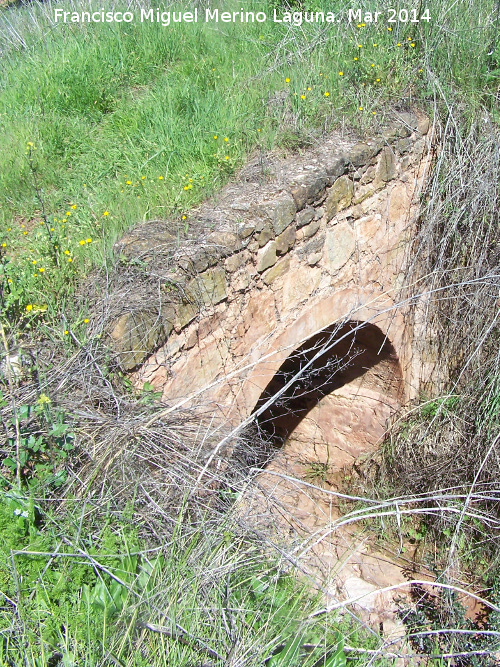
point(105, 562)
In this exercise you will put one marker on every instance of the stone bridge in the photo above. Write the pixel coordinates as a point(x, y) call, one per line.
point(293, 248)
point(296, 269)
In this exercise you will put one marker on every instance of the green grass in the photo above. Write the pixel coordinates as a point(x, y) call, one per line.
point(119, 120)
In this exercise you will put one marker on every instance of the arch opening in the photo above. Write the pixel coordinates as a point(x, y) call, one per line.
point(338, 407)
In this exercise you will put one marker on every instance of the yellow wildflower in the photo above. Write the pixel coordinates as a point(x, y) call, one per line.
point(287, 80)
point(41, 269)
point(341, 73)
point(89, 240)
point(106, 213)
point(82, 242)
point(86, 320)
point(327, 94)
point(302, 97)
point(29, 307)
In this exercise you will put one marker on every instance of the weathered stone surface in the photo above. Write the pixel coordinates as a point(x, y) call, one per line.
point(266, 235)
point(315, 245)
point(266, 257)
point(257, 320)
point(137, 334)
point(339, 197)
point(208, 288)
point(246, 229)
point(304, 217)
point(339, 246)
point(404, 145)
point(307, 186)
point(362, 153)
point(311, 229)
point(386, 166)
point(313, 259)
point(278, 270)
point(368, 176)
point(335, 166)
point(363, 192)
point(225, 242)
point(146, 240)
point(285, 240)
point(186, 312)
point(280, 212)
point(298, 285)
point(235, 262)
point(423, 125)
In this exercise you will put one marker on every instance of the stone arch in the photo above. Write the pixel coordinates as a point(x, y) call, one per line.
point(337, 408)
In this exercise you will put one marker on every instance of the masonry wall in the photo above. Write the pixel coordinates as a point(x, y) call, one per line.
point(292, 247)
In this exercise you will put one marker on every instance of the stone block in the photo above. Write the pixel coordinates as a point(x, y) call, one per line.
point(266, 235)
point(285, 240)
point(311, 229)
point(314, 258)
point(335, 166)
point(136, 335)
point(278, 270)
point(235, 262)
point(386, 166)
point(307, 186)
point(208, 288)
point(226, 243)
point(266, 257)
point(339, 246)
point(280, 212)
point(298, 285)
point(339, 197)
point(361, 153)
point(305, 216)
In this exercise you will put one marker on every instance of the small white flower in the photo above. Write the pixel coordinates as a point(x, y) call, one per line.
point(25, 514)
point(17, 512)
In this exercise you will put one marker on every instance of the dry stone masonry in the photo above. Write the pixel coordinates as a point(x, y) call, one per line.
point(294, 246)
point(292, 250)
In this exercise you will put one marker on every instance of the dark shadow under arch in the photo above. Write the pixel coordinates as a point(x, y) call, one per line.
point(353, 349)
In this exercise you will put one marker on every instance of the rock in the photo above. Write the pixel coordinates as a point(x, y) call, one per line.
point(208, 288)
point(339, 197)
point(313, 259)
point(363, 192)
point(386, 166)
point(241, 281)
point(307, 186)
point(311, 229)
point(361, 153)
point(339, 246)
point(266, 235)
point(305, 216)
point(266, 257)
point(335, 166)
point(313, 246)
point(226, 243)
point(298, 285)
point(278, 270)
point(137, 334)
point(147, 240)
point(285, 240)
point(235, 262)
point(246, 229)
point(404, 145)
point(186, 312)
point(368, 176)
point(280, 212)
point(423, 125)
